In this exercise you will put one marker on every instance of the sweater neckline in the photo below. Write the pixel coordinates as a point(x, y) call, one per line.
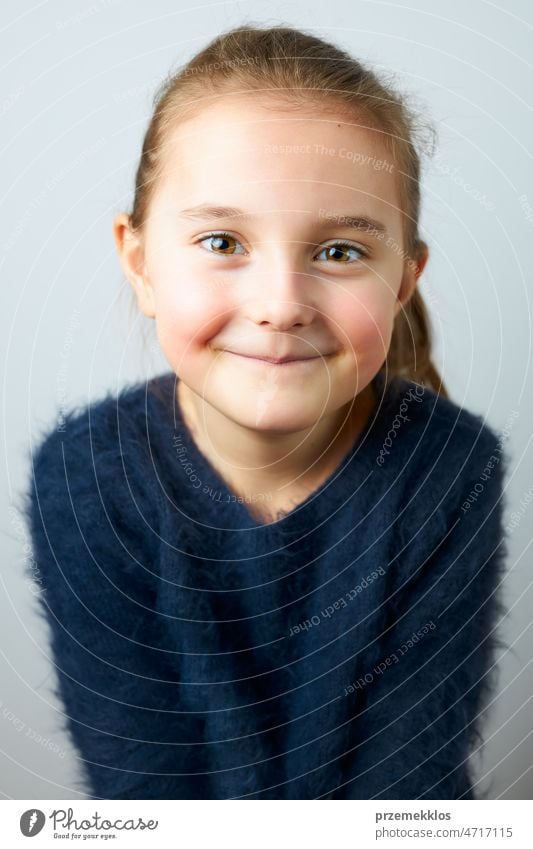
point(231, 510)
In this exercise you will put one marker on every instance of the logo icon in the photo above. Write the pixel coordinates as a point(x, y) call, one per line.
point(32, 822)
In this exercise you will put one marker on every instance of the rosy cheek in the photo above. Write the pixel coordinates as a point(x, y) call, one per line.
point(190, 314)
point(366, 325)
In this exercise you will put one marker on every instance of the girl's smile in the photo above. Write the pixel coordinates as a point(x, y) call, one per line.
point(276, 362)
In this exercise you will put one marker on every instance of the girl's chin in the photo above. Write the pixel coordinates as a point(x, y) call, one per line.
point(259, 411)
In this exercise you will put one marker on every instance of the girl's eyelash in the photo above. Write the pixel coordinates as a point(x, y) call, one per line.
point(340, 242)
point(345, 244)
point(217, 233)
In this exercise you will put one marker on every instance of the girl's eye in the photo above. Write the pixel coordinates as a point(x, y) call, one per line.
point(337, 251)
point(221, 242)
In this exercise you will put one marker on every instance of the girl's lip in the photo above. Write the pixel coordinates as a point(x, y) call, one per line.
point(278, 362)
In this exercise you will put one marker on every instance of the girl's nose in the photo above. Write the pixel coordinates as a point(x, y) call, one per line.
point(281, 297)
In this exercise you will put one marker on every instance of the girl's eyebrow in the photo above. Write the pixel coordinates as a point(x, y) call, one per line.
point(205, 211)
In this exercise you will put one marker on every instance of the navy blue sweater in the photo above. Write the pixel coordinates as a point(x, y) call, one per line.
point(345, 651)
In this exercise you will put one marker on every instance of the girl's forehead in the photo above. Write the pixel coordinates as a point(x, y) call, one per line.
point(225, 145)
point(263, 122)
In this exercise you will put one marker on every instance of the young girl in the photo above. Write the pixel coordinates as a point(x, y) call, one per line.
point(272, 572)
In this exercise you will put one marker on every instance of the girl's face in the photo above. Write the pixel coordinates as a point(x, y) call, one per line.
point(240, 262)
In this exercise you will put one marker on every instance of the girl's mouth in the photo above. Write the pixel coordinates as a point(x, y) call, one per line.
point(279, 362)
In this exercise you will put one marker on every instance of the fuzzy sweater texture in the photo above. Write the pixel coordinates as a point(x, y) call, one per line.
point(345, 651)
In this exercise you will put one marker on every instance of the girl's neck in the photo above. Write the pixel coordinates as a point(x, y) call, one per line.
point(281, 468)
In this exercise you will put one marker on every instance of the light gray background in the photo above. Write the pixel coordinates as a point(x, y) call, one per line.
point(76, 86)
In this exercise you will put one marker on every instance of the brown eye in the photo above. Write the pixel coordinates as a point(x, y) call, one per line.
point(339, 252)
point(222, 243)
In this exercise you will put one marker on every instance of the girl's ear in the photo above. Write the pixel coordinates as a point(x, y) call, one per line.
point(131, 255)
point(413, 268)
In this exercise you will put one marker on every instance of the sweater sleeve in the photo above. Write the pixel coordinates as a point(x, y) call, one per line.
point(423, 689)
point(95, 544)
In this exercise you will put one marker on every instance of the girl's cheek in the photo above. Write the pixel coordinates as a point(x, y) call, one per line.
point(192, 309)
point(366, 323)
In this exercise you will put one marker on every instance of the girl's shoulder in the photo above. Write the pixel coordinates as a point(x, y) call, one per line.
point(90, 504)
point(95, 444)
point(435, 452)
point(447, 471)
point(443, 462)
point(432, 424)
point(115, 414)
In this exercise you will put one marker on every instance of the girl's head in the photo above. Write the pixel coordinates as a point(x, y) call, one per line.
point(290, 147)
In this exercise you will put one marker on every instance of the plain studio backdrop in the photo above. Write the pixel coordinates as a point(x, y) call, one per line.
point(76, 94)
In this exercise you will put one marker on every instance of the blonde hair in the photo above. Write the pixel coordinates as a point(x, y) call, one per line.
point(295, 68)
